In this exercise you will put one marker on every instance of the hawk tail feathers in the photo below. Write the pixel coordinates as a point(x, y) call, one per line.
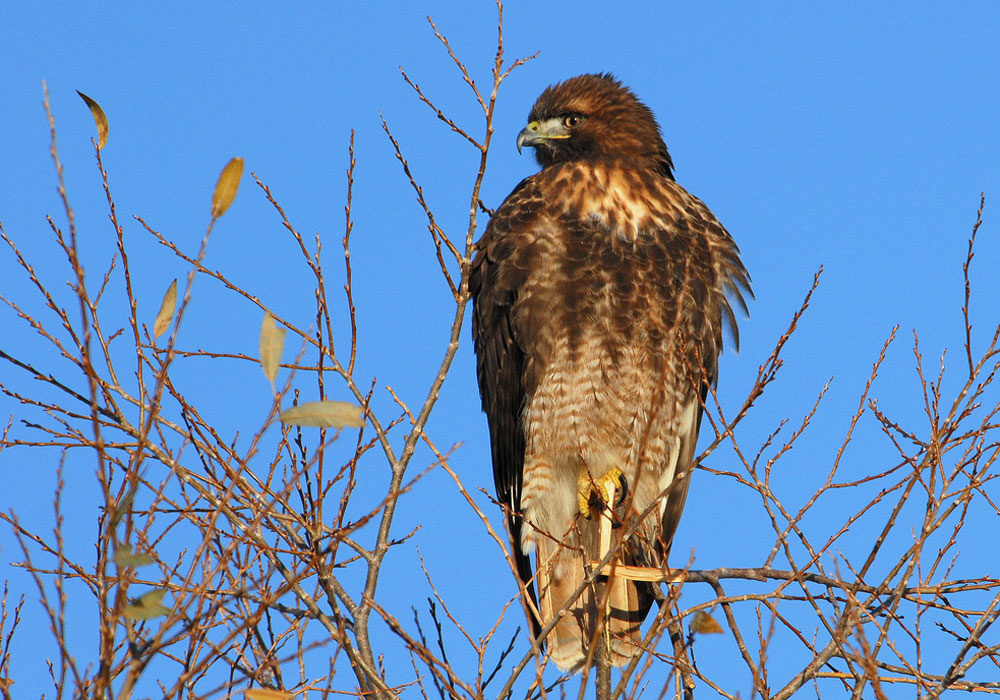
point(580, 626)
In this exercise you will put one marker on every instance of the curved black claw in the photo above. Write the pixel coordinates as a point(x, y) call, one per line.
point(622, 491)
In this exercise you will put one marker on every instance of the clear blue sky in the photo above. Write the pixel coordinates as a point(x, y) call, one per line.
point(856, 136)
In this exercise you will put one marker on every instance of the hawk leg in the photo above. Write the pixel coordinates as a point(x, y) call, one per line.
point(592, 492)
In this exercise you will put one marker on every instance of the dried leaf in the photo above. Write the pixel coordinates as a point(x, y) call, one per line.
point(272, 343)
point(124, 505)
point(124, 556)
point(267, 694)
point(166, 312)
point(147, 606)
point(226, 187)
point(703, 623)
point(325, 414)
point(100, 119)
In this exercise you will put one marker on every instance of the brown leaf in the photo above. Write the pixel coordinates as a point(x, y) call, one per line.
point(703, 623)
point(226, 187)
point(272, 343)
point(100, 119)
point(166, 313)
point(325, 414)
point(267, 694)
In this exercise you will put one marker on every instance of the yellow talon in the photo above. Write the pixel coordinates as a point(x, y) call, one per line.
point(603, 487)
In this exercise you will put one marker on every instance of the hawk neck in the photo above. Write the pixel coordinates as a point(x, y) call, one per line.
point(625, 200)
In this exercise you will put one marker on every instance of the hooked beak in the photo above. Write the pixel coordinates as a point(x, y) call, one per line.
point(538, 133)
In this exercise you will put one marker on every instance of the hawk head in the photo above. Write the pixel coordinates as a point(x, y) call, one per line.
point(594, 116)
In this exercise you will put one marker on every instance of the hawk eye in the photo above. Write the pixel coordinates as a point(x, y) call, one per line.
point(572, 120)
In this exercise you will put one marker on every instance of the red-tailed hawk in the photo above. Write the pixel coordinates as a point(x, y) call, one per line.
point(600, 290)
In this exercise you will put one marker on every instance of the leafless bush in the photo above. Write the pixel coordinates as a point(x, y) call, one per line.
point(223, 564)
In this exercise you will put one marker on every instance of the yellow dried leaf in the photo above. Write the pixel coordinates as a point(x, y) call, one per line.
point(703, 623)
point(100, 119)
point(272, 343)
point(124, 556)
point(267, 694)
point(166, 312)
point(226, 187)
point(325, 414)
point(147, 606)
